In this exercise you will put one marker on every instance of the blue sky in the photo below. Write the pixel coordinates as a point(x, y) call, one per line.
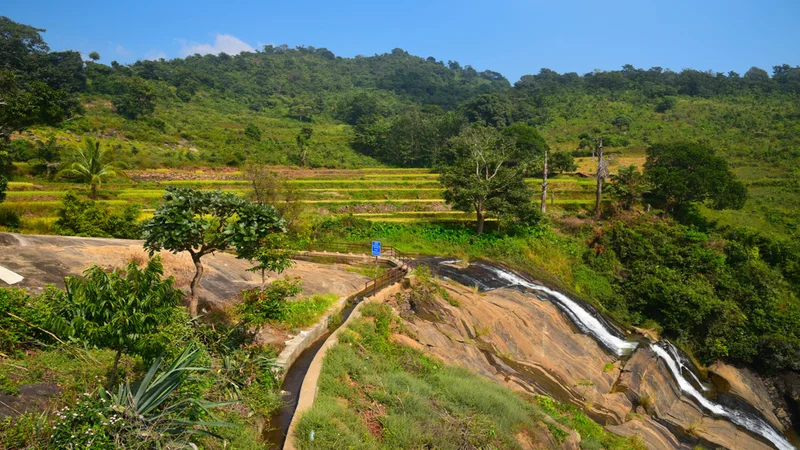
point(514, 37)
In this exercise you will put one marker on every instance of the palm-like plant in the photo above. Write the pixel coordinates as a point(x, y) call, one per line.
point(92, 165)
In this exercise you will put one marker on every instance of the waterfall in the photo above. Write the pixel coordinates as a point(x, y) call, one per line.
point(748, 421)
point(581, 317)
point(587, 321)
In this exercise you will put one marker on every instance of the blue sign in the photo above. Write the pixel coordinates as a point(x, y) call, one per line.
point(376, 248)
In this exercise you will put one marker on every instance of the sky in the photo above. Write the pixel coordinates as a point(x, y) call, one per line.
point(513, 37)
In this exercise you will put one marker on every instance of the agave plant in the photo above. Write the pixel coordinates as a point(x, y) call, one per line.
point(157, 416)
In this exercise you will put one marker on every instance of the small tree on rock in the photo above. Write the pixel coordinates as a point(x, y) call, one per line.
point(202, 222)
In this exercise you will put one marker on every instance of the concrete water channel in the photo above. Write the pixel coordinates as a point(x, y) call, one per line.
point(303, 352)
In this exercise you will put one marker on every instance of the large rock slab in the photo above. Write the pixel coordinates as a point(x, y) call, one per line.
point(746, 385)
point(526, 343)
point(44, 260)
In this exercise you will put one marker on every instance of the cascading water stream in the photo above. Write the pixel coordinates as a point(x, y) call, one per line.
point(747, 421)
point(589, 323)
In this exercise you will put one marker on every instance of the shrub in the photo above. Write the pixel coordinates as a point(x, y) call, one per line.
point(261, 305)
point(9, 218)
point(119, 310)
point(26, 329)
point(78, 217)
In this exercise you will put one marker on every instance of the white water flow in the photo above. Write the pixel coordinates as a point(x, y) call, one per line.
point(750, 422)
point(589, 324)
point(582, 318)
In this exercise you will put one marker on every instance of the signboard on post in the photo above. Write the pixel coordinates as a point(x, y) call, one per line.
point(376, 248)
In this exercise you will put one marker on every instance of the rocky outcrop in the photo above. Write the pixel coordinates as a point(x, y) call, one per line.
point(744, 384)
point(46, 260)
point(527, 344)
point(648, 382)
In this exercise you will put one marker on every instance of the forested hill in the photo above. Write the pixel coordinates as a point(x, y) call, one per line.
point(308, 106)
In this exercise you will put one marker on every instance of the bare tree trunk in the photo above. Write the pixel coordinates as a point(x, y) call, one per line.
point(113, 377)
point(544, 185)
point(194, 285)
point(94, 191)
point(481, 219)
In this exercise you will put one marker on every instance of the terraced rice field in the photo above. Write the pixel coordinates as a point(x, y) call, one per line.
point(386, 195)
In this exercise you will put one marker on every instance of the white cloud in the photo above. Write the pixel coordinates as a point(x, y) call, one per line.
point(122, 51)
point(152, 55)
point(222, 43)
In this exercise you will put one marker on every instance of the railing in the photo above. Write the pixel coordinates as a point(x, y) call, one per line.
point(389, 277)
point(365, 249)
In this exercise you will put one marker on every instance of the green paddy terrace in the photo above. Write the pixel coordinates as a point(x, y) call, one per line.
point(386, 195)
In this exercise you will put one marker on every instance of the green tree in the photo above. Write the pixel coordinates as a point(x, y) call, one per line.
point(94, 56)
point(202, 222)
point(562, 162)
point(136, 99)
point(36, 86)
point(91, 165)
point(303, 140)
point(628, 186)
point(485, 176)
point(683, 173)
point(253, 132)
point(622, 122)
point(488, 109)
point(119, 310)
point(532, 151)
point(3, 188)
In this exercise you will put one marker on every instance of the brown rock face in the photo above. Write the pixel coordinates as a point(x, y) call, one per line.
point(527, 344)
point(46, 260)
point(744, 384)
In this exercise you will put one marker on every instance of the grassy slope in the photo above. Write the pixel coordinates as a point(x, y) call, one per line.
point(374, 393)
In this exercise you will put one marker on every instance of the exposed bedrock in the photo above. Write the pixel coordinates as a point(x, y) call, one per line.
point(527, 344)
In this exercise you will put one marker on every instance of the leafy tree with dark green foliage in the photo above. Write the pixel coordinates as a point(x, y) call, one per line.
point(94, 56)
point(119, 310)
point(202, 222)
point(36, 86)
point(683, 173)
point(136, 99)
point(486, 176)
point(724, 296)
point(562, 162)
point(253, 132)
point(78, 217)
point(628, 186)
point(488, 109)
point(622, 122)
point(530, 145)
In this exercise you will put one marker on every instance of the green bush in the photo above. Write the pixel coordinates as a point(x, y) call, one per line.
point(78, 217)
point(9, 218)
point(261, 305)
point(26, 329)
